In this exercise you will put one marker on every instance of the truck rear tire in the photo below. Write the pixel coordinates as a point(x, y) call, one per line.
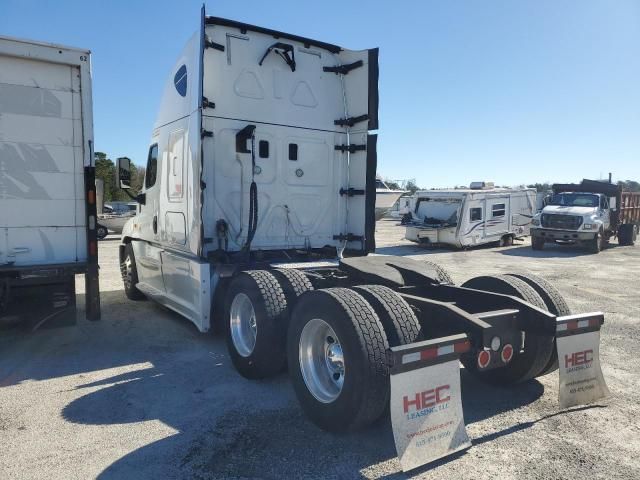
point(293, 282)
point(537, 243)
point(256, 324)
point(443, 275)
point(555, 303)
point(400, 323)
point(129, 274)
point(535, 356)
point(336, 348)
point(627, 234)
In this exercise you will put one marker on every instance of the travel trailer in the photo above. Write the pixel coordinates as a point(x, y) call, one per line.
point(256, 217)
point(47, 189)
point(465, 217)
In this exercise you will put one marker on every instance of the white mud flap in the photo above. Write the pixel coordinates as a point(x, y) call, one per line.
point(426, 401)
point(578, 341)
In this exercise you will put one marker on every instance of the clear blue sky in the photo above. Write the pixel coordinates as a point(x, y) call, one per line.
point(509, 91)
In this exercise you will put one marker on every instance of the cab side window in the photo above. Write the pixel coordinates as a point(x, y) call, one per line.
point(603, 203)
point(475, 214)
point(152, 167)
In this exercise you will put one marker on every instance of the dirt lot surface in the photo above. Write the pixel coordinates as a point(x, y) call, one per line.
point(141, 394)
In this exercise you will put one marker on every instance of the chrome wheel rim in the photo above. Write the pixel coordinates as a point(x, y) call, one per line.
point(321, 360)
point(244, 327)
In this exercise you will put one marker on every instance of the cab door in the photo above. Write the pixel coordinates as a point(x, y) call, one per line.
point(148, 250)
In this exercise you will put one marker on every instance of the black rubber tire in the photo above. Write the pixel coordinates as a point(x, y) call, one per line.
point(506, 241)
point(269, 303)
point(293, 282)
point(597, 243)
point(537, 243)
point(365, 392)
point(537, 348)
point(627, 234)
point(554, 302)
point(102, 232)
point(400, 323)
point(443, 275)
point(130, 289)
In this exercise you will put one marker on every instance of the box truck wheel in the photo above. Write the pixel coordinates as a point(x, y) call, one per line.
point(534, 357)
point(256, 325)
point(627, 234)
point(443, 275)
point(336, 350)
point(554, 303)
point(398, 320)
point(129, 274)
point(537, 243)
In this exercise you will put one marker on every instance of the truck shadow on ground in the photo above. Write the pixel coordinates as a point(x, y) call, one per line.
point(552, 251)
point(232, 428)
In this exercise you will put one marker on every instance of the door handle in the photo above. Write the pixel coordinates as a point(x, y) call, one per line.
point(155, 224)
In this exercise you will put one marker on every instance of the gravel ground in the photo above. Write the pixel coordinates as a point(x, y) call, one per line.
point(141, 394)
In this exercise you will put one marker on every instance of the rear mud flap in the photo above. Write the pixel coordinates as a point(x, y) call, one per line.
point(578, 342)
point(426, 400)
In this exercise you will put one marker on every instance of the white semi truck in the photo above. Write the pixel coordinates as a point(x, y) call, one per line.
point(256, 218)
point(47, 189)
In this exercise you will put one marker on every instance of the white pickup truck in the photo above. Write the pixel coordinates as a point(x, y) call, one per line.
point(589, 213)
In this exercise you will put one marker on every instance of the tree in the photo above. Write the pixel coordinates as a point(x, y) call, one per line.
point(106, 171)
point(411, 187)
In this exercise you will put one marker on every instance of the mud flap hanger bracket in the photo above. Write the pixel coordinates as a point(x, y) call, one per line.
point(284, 51)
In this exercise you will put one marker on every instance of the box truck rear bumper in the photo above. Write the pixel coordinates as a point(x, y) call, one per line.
point(34, 297)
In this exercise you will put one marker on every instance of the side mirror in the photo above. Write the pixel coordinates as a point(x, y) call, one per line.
point(123, 173)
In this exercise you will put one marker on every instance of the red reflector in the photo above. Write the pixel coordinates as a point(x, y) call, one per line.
point(93, 248)
point(572, 325)
point(484, 357)
point(461, 347)
point(428, 354)
point(91, 197)
point(594, 322)
point(507, 353)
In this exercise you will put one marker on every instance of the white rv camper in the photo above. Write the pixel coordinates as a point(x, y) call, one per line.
point(475, 216)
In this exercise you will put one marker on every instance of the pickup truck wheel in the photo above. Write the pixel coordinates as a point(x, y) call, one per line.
point(537, 243)
point(597, 243)
point(256, 324)
point(398, 320)
point(129, 274)
point(534, 357)
point(554, 302)
point(336, 350)
point(101, 232)
point(627, 234)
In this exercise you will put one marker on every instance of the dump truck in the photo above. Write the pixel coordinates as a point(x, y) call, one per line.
point(47, 183)
point(589, 213)
point(257, 219)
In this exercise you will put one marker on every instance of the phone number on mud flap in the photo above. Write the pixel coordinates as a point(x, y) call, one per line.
point(433, 438)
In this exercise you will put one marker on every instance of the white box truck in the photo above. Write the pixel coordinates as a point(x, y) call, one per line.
point(47, 189)
point(256, 218)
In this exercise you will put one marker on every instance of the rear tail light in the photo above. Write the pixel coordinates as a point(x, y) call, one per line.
point(484, 358)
